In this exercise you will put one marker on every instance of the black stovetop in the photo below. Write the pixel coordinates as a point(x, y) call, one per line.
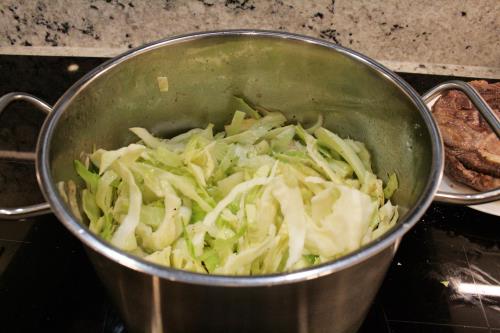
point(48, 285)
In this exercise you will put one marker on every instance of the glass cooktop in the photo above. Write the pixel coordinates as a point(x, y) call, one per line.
point(445, 276)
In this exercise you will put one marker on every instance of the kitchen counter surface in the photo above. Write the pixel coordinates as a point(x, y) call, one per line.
point(439, 37)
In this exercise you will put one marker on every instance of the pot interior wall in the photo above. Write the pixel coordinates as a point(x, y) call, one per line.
point(301, 79)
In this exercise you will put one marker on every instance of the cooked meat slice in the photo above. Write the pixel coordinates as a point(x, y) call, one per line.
point(472, 149)
point(481, 161)
point(478, 181)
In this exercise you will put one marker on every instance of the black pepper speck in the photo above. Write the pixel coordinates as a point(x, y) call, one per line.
point(331, 7)
point(396, 27)
point(168, 4)
point(319, 15)
point(330, 34)
point(64, 27)
point(240, 4)
point(52, 39)
point(12, 41)
point(207, 3)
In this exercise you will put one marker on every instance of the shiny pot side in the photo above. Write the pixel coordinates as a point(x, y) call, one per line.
point(301, 76)
point(332, 303)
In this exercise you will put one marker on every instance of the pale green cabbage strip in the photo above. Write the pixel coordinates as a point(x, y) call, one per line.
point(261, 197)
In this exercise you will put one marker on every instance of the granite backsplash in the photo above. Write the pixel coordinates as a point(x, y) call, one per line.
point(444, 37)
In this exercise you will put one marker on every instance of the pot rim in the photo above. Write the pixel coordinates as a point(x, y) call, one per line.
point(98, 245)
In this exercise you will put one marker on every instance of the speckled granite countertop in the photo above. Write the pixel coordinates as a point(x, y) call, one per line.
point(427, 36)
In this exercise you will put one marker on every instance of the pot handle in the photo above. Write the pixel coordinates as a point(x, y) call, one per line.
point(33, 210)
point(494, 122)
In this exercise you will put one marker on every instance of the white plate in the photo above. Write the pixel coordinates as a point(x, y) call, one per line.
point(450, 185)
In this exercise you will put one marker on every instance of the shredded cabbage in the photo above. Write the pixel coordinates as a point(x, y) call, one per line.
point(260, 197)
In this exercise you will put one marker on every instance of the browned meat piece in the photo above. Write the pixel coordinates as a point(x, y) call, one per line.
point(472, 149)
point(479, 181)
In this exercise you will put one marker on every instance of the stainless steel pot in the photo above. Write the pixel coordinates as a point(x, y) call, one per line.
point(302, 77)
